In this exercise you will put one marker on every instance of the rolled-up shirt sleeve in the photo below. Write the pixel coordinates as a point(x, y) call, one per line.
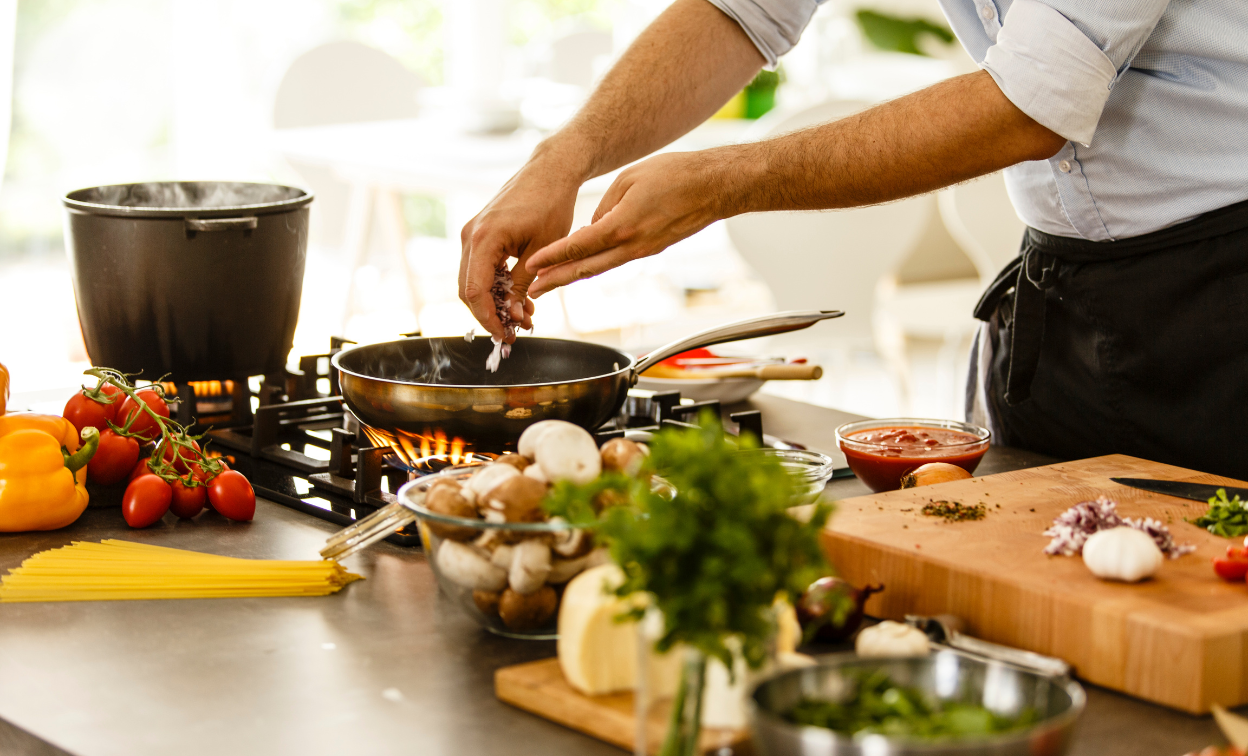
point(1057, 61)
point(774, 26)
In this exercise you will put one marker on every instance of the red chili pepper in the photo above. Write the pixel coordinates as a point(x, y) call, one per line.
point(1234, 566)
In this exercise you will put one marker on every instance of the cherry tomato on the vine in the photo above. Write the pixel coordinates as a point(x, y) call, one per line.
point(83, 411)
point(144, 425)
point(181, 457)
point(140, 468)
point(146, 500)
point(114, 459)
point(188, 502)
point(231, 495)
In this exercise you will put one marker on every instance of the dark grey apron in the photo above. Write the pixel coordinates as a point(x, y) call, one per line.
point(1137, 346)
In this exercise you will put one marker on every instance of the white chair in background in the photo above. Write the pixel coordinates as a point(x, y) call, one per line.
point(573, 57)
point(830, 259)
point(979, 217)
point(349, 82)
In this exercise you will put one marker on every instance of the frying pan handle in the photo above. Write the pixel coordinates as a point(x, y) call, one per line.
point(221, 224)
point(767, 325)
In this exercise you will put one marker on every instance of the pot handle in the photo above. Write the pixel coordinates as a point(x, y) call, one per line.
point(221, 224)
point(767, 325)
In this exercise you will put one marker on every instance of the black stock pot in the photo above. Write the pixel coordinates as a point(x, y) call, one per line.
point(200, 280)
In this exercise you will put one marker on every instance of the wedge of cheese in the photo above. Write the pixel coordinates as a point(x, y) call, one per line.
point(597, 654)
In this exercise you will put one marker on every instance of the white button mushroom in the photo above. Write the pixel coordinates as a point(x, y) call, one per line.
point(535, 472)
point(568, 452)
point(527, 444)
point(470, 567)
point(530, 564)
point(1122, 553)
point(891, 639)
point(563, 570)
point(572, 543)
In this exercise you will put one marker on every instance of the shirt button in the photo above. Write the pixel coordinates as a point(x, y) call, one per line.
point(987, 12)
point(1064, 166)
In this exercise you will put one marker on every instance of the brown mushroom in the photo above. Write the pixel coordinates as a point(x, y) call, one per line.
point(485, 479)
point(530, 611)
point(622, 455)
point(515, 460)
point(487, 602)
point(519, 498)
point(448, 500)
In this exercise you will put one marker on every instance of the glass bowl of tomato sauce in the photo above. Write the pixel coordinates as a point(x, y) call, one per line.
point(880, 452)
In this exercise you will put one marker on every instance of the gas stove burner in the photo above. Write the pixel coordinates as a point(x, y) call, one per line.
point(436, 463)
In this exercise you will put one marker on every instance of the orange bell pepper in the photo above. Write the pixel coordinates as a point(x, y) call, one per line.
point(4, 387)
point(43, 471)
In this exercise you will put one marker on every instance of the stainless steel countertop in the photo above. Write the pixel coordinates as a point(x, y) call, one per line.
point(386, 666)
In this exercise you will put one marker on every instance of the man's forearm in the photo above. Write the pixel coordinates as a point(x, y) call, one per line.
point(677, 73)
point(947, 133)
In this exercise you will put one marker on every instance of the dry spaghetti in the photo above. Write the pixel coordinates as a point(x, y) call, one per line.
point(120, 570)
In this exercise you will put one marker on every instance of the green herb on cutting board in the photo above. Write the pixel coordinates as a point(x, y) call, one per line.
point(955, 511)
point(1226, 518)
point(717, 554)
point(881, 706)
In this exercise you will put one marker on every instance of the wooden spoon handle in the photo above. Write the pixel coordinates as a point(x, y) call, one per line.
point(796, 372)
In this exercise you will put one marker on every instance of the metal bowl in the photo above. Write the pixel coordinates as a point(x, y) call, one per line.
point(945, 676)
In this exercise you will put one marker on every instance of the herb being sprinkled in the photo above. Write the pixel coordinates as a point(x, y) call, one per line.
point(1073, 527)
point(955, 511)
point(1226, 518)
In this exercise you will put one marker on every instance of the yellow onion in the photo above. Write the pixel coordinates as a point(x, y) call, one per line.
point(933, 472)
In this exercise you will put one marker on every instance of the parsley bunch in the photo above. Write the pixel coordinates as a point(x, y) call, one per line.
point(715, 555)
point(1226, 518)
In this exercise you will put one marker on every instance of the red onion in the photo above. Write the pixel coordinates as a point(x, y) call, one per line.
point(831, 609)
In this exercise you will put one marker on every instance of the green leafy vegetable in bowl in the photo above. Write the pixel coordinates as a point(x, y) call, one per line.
point(1226, 518)
point(880, 706)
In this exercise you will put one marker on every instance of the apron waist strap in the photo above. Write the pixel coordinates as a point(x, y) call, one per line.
point(1036, 270)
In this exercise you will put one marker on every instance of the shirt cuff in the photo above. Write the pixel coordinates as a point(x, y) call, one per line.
point(1051, 70)
point(774, 26)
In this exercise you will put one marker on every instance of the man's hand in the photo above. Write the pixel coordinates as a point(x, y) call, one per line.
point(532, 210)
point(648, 207)
point(678, 72)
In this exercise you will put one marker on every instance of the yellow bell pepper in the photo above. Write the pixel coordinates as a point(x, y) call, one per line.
point(43, 472)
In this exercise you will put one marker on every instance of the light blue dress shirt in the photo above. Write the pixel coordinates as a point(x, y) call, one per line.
point(1151, 94)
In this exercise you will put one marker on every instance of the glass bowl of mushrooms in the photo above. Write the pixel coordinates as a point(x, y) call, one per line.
point(493, 548)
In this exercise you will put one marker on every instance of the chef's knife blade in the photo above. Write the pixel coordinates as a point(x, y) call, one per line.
point(1193, 491)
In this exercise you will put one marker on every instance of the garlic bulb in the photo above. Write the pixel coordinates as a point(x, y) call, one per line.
point(1122, 553)
point(891, 639)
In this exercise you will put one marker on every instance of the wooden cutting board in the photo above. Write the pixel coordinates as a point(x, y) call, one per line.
point(539, 687)
point(1179, 639)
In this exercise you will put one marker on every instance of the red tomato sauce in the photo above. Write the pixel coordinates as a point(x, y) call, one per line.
point(883, 455)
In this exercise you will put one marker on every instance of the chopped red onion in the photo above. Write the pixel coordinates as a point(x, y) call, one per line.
point(501, 290)
point(1073, 527)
